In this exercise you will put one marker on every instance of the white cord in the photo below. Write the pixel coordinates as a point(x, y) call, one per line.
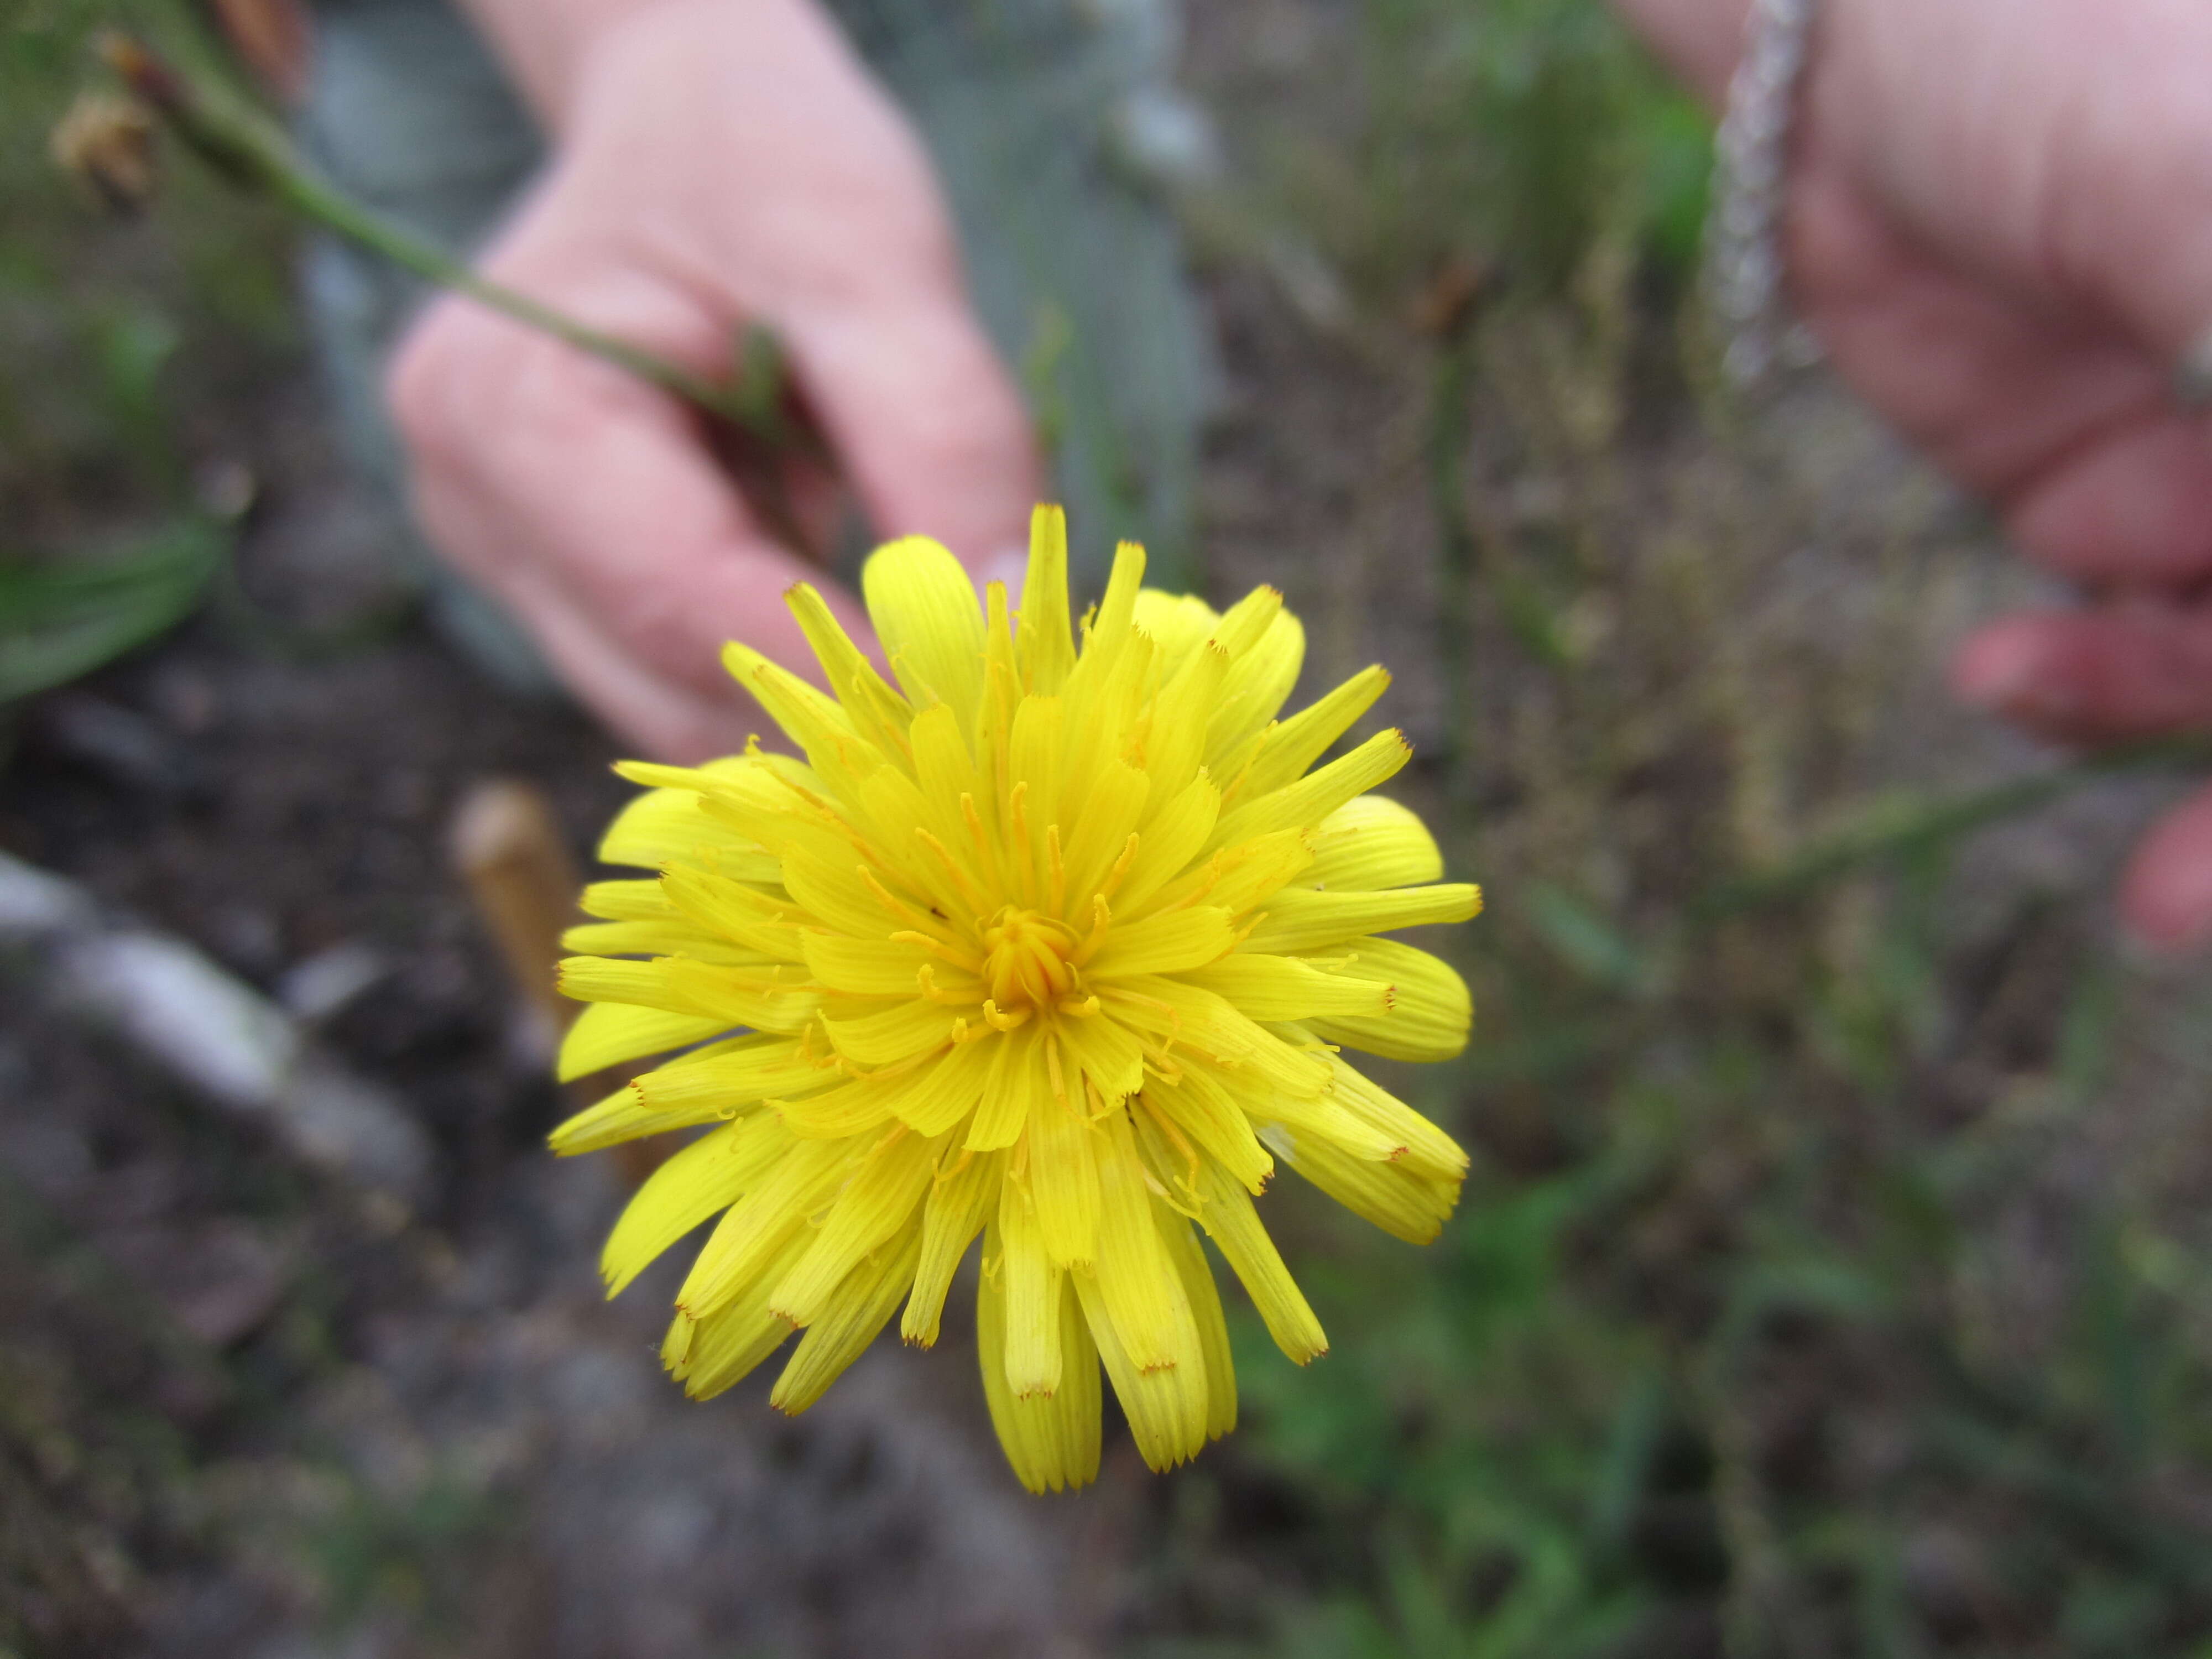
point(1745, 270)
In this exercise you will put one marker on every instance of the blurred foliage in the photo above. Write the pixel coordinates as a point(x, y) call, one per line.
point(66, 618)
point(131, 341)
point(1514, 136)
point(1532, 125)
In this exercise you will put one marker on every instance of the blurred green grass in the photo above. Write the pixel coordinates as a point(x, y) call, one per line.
point(137, 346)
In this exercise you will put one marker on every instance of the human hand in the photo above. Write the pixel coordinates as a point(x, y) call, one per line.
point(715, 165)
point(2001, 229)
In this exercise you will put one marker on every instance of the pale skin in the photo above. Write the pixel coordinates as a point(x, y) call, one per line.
point(2001, 229)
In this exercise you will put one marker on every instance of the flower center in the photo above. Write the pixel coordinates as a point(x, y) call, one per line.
point(1025, 962)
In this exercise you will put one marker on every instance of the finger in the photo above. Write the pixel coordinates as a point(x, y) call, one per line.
point(2136, 671)
point(2070, 433)
point(2132, 503)
point(2166, 897)
point(659, 718)
point(547, 467)
point(933, 437)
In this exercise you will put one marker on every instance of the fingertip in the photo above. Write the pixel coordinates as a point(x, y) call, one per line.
point(1998, 665)
point(2166, 897)
point(2134, 506)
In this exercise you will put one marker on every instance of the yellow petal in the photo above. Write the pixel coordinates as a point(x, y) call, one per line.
point(1044, 640)
point(861, 1306)
point(734, 1074)
point(1432, 1009)
point(771, 999)
point(1305, 921)
point(1289, 987)
point(963, 1193)
point(608, 1033)
point(756, 1229)
point(1032, 1281)
point(736, 911)
point(833, 891)
point(706, 1177)
point(1141, 1295)
point(1168, 942)
point(1205, 1299)
point(923, 605)
point(878, 713)
point(1106, 1052)
point(1110, 623)
point(1063, 1176)
point(717, 1081)
point(897, 1032)
point(870, 967)
point(627, 901)
point(1180, 621)
point(716, 1353)
point(1399, 1198)
point(1303, 738)
point(1168, 843)
point(1235, 1228)
point(1305, 804)
point(1325, 1120)
point(1050, 1440)
point(823, 731)
point(1427, 1147)
point(1176, 744)
point(877, 1203)
point(1205, 1114)
point(859, 1107)
point(1257, 683)
point(1095, 829)
point(674, 938)
point(1195, 1017)
point(1017, 1079)
point(671, 826)
point(613, 979)
point(1253, 872)
point(940, 1092)
point(1371, 842)
point(1166, 1409)
point(1033, 761)
point(622, 1116)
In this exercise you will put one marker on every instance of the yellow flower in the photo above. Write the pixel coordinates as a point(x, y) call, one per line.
point(1053, 946)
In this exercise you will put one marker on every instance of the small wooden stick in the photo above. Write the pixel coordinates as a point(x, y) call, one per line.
point(508, 847)
point(525, 882)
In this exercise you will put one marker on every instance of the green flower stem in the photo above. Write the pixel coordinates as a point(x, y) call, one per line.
point(1889, 829)
point(241, 144)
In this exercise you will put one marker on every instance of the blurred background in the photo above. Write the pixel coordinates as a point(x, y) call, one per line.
point(1832, 1276)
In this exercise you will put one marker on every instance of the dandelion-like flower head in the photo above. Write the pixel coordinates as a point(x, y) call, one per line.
point(1056, 946)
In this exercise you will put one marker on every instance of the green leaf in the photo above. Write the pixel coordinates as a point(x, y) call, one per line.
point(1583, 939)
point(60, 621)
